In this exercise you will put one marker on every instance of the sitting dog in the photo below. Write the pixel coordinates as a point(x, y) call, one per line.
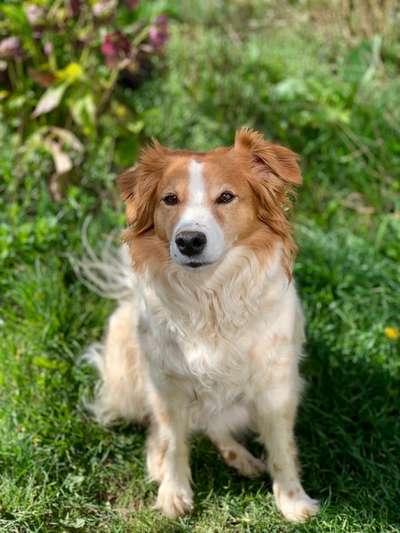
point(209, 329)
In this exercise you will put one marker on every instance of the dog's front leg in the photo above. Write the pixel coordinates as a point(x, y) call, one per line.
point(276, 409)
point(175, 495)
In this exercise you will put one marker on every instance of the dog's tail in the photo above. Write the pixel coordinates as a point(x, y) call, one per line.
point(108, 274)
point(119, 394)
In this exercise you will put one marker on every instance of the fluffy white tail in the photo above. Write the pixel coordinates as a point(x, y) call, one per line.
point(120, 392)
point(108, 274)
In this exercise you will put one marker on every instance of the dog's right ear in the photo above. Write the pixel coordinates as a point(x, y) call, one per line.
point(138, 185)
point(126, 182)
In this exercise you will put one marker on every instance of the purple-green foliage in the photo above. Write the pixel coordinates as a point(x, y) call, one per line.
point(68, 73)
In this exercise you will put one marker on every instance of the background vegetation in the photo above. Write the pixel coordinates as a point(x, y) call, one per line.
point(321, 77)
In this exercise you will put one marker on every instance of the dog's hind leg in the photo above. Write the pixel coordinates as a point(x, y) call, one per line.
point(120, 393)
point(221, 429)
point(237, 456)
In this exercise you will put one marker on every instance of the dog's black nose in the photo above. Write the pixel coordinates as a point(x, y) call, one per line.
point(190, 242)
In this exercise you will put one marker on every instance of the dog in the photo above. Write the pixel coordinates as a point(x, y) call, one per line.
point(209, 329)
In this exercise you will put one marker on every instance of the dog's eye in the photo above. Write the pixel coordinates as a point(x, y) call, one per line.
point(225, 198)
point(170, 199)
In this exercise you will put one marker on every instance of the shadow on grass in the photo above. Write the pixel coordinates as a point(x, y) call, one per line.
point(349, 435)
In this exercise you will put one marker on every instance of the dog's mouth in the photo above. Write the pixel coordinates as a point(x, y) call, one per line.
point(197, 264)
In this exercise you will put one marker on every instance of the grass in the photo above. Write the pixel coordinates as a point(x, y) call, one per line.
point(62, 472)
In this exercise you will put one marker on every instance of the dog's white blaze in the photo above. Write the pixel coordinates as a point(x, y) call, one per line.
point(198, 216)
point(196, 183)
point(196, 212)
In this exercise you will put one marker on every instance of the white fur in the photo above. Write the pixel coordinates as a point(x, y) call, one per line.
point(198, 216)
point(219, 354)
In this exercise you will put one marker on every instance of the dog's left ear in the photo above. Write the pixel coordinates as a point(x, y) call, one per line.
point(268, 158)
point(273, 171)
point(138, 186)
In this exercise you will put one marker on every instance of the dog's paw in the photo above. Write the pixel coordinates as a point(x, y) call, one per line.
point(251, 467)
point(295, 505)
point(174, 500)
point(245, 463)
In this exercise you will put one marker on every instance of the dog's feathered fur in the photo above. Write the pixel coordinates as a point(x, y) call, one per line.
point(215, 350)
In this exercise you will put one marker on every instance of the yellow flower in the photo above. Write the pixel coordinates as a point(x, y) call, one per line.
point(392, 333)
point(70, 73)
point(120, 110)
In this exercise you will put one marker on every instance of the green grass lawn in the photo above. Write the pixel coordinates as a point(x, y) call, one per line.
point(338, 108)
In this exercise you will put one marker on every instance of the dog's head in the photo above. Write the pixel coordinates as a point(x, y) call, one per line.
point(192, 208)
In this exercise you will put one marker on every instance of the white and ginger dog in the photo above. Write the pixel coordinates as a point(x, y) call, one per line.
point(208, 333)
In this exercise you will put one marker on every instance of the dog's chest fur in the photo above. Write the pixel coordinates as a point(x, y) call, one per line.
point(206, 335)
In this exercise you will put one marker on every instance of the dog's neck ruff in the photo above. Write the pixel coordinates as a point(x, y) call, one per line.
point(216, 304)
